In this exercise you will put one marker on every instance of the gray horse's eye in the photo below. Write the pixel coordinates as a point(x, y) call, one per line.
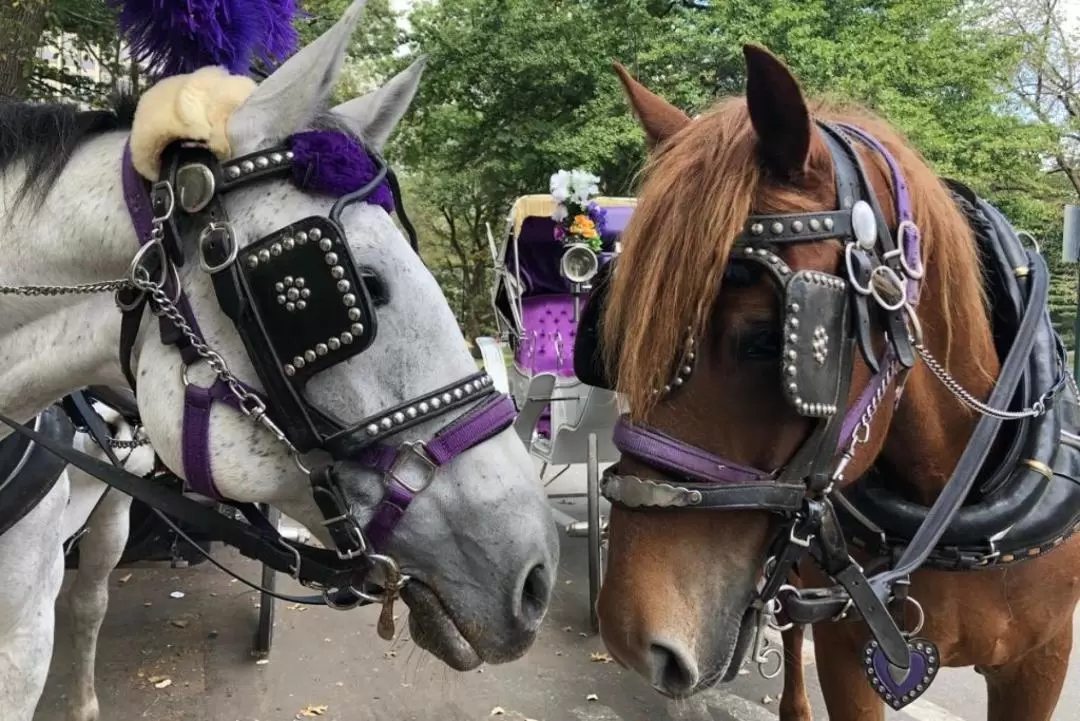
point(376, 286)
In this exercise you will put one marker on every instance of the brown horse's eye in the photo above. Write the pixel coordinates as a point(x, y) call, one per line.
point(758, 342)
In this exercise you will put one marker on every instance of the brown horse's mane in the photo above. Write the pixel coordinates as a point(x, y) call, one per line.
point(697, 190)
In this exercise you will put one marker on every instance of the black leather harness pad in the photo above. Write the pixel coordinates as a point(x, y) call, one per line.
point(26, 478)
point(815, 325)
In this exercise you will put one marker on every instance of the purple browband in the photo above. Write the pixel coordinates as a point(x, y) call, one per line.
point(470, 429)
point(674, 455)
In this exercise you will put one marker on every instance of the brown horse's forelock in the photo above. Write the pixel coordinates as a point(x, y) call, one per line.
point(698, 189)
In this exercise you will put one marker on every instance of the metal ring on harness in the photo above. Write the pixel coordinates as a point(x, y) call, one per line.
point(884, 273)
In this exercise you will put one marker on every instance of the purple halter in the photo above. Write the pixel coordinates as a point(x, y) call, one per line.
point(319, 162)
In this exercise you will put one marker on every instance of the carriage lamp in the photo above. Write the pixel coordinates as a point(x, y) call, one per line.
point(579, 263)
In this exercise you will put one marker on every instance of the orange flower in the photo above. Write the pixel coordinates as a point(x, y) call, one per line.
point(584, 226)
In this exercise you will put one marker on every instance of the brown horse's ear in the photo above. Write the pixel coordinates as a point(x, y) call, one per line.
point(778, 112)
point(658, 117)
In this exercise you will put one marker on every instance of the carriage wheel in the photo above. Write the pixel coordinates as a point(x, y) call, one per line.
point(596, 561)
point(264, 636)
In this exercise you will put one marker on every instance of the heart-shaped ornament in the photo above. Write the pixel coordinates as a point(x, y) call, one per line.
point(900, 686)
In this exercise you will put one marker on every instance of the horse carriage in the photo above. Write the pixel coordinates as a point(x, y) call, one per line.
point(542, 284)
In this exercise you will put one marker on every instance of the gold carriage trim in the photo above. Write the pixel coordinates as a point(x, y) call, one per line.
point(1039, 467)
point(542, 206)
point(194, 106)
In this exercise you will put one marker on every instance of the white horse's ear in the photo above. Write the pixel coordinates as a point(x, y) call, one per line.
point(289, 99)
point(375, 115)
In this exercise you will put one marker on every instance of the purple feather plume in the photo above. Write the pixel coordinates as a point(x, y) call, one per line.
point(332, 163)
point(181, 36)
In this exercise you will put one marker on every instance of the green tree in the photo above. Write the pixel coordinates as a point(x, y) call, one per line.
point(21, 24)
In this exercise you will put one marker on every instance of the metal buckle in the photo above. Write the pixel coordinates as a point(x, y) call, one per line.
point(800, 542)
point(170, 195)
point(413, 448)
point(226, 230)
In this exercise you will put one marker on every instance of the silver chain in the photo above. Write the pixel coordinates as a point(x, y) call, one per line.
point(105, 286)
point(1037, 408)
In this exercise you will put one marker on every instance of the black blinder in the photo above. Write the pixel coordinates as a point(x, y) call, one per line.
point(308, 297)
point(815, 325)
point(588, 348)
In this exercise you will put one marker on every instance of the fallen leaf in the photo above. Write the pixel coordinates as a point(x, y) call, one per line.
point(312, 711)
point(148, 604)
point(568, 629)
point(558, 653)
point(262, 662)
point(164, 683)
point(497, 711)
point(180, 622)
point(583, 634)
point(744, 672)
point(297, 607)
point(177, 594)
point(767, 700)
point(124, 579)
point(598, 657)
point(340, 683)
point(592, 697)
point(156, 679)
point(389, 654)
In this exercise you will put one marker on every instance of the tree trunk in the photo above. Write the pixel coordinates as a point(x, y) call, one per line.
point(21, 25)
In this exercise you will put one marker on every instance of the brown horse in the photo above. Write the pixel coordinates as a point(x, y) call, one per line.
point(678, 601)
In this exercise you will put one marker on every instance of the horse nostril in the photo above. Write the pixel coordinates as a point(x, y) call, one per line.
point(533, 597)
point(672, 671)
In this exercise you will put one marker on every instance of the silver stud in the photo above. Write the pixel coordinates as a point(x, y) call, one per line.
point(264, 255)
point(290, 306)
point(305, 292)
point(793, 387)
point(321, 349)
point(678, 382)
point(796, 226)
point(300, 283)
point(423, 407)
point(247, 166)
point(290, 369)
point(354, 314)
point(337, 272)
point(385, 424)
point(276, 158)
point(458, 394)
point(348, 299)
point(334, 343)
point(289, 154)
point(343, 286)
point(399, 418)
point(468, 387)
point(411, 412)
point(232, 172)
point(372, 430)
point(314, 233)
point(793, 307)
point(252, 261)
point(790, 370)
point(793, 322)
point(288, 280)
point(757, 229)
point(667, 388)
point(815, 224)
point(325, 244)
point(292, 294)
point(447, 398)
point(309, 355)
point(301, 238)
point(793, 338)
point(347, 338)
point(357, 329)
point(792, 354)
point(777, 228)
point(436, 403)
point(690, 356)
point(262, 161)
point(331, 258)
point(279, 287)
point(828, 222)
point(686, 370)
point(299, 362)
point(281, 300)
point(289, 243)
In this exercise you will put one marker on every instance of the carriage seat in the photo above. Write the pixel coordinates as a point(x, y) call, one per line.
point(549, 333)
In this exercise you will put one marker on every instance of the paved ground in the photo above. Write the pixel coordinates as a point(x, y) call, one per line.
point(333, 662)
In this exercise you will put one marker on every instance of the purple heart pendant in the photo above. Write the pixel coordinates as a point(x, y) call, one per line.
point(900, 686)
